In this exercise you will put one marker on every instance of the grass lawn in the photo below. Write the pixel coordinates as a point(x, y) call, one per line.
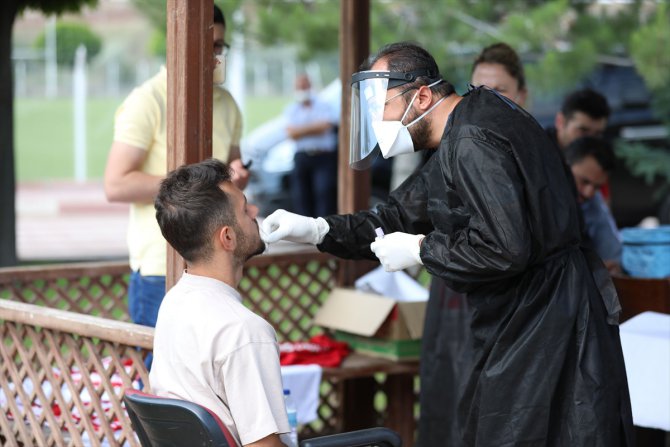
point(44, 139)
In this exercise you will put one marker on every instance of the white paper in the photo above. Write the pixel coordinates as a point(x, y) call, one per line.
point(398, 285)
point(645, 340)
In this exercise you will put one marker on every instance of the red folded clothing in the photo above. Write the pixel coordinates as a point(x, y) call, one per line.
point(320, 349)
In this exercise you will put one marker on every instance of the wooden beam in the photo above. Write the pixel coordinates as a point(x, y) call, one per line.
point(353, 186)
point(189, 92)
point(76, 323)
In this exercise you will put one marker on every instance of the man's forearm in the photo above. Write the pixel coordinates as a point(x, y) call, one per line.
point(318, 128)
point(133, 187)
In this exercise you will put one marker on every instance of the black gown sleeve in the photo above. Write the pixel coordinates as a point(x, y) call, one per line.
point(496, 242)
point(350, 235)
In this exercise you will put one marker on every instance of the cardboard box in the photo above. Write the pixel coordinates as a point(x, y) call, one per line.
point(380, 347)
point(374, 324)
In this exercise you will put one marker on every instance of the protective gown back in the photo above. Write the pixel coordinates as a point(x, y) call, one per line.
point(542, 365)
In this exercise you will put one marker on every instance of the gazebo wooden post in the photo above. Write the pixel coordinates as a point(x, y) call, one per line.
point(189, 93)
point(353, 186)
point(353, 195)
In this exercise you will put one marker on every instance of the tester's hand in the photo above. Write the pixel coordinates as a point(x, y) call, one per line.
point(240, 173)
point(293, 227)
point(397, 251)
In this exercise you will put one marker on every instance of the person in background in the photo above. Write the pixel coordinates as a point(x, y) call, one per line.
point(137, 162)
point(208, 347)
point(499, 67)
point(591, 161)
point(492, 213)
point(311, 123)
point(584, 113)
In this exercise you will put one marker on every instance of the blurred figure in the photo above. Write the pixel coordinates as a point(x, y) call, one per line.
point(311, 123)
point(591, 161)
point(137, 163)
point(584, 113)
point(499, 67)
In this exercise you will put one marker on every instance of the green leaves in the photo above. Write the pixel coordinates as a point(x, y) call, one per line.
point(69, 36)
point(56, 6)
point(650, 49)
point(646, 162)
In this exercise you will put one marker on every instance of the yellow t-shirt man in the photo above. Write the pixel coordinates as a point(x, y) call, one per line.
point(141, 121)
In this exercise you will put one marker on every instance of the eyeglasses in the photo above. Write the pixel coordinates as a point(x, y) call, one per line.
point(221, 48)
point(400, 94)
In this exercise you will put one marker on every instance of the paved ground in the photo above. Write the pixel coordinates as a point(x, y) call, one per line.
point(69, 221)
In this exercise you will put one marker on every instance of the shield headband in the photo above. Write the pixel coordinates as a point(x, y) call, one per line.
point(368, 99)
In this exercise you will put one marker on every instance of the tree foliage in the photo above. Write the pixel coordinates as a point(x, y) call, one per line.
point(649, 49)
point(562, 39)
point(55, 6)
point(313, 26)
point(68, 38)
point(156, 12)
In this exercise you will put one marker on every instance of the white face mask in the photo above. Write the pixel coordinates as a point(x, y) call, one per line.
point(393, 137)
point(220, 69)
point(303, 95)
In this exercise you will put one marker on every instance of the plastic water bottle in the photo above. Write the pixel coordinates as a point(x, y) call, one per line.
point(292, 417)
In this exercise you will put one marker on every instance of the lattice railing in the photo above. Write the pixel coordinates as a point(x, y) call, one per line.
point(284, 289)
point(288, 290)
point(62, 376)
point(98, 289)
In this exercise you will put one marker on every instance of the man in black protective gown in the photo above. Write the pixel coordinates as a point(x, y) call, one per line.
point(493, 214)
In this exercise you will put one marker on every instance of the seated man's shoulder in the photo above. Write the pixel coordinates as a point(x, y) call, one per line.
point(212, 320)
point(254, 326)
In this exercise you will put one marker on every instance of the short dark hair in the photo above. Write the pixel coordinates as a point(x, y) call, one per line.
point(595, 147)
point(587, 101)
point(191, 206)
point(503, 54)
point(218, 16)
point(407, 56)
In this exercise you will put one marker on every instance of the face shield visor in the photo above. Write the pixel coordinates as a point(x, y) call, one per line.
point(368, 100)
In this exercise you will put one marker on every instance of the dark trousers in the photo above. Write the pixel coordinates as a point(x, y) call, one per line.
point(145, 295)
point(314, 184)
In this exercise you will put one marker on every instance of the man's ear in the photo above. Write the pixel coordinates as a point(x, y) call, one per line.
point(522, 97)
point(424, 98)
point(559, 121)
point(227, 238)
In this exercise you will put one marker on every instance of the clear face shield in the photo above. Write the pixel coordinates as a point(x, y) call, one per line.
point(368, 100)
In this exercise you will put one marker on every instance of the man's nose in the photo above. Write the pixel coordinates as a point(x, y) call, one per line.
point(253, 210)
point(588, 191)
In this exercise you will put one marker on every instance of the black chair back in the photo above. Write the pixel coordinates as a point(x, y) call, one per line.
point(369, 437)
point(164, 422)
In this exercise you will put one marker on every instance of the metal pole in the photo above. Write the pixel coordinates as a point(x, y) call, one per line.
point(79, 88)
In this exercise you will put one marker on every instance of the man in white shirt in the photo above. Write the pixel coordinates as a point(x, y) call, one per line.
point(311, 123)
point(208, 347)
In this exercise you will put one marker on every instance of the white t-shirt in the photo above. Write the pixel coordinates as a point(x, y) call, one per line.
point(210, 349)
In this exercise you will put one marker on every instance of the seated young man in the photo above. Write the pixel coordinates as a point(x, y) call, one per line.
point(208, 347)
point(591, 161)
